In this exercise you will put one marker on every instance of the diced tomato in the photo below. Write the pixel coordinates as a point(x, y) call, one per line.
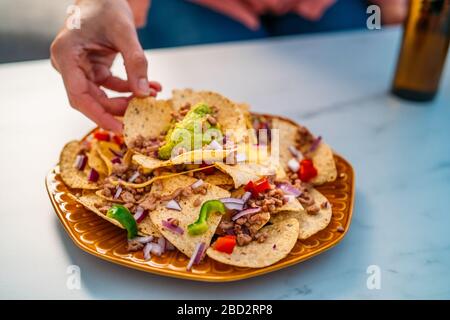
point(258, 186)
point(207, 171)
point(101, 135)
point(225, 244)
point(307, 170)
point(118, 139)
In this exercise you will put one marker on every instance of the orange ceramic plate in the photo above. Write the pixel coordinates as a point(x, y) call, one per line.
point(104, 240)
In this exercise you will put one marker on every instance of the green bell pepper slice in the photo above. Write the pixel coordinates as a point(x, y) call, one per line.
point(125, 218)
point(200, 226)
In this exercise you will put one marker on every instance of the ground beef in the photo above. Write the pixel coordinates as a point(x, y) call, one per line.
point(268, 201)
point(147, 146)
point(119, 168)
point(127, 196)
point(243, 239)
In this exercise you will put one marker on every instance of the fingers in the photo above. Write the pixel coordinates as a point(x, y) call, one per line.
point(135, 61)
point(104, 77)
point(235, 9)
point(82, 97)
point(313, 9)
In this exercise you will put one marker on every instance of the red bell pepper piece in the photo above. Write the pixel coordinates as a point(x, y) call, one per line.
point(225, 244)
point(307, 170)
point(101, 135)
point(258, 186)
point(118, 140)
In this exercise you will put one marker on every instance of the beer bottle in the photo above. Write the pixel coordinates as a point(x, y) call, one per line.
point(424, 48)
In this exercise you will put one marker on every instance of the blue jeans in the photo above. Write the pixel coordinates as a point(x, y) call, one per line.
point(174, 23)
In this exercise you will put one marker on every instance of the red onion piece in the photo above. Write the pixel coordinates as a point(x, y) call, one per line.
point(232, 200)
point(147, 249)
point(162, 243)
point(289, 189)
point(156, 249)
point(315, 144)
point(171, 227)
point(116, 160)
point(118, 192)
point(234, 206)
point(140, 214)
point(143, 240)
point(293, 165)
point(80, 162)
point(134, 177)
point(294, 151)
point(93, 175)
point(197, 255)
point(245, 212)
point(246, 196)
point(197, 184)
point(173, 205)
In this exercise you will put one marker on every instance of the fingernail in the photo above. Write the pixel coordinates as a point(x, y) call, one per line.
point(143, 87)
point(153, 92)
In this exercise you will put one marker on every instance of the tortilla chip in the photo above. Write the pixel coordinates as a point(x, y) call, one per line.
point(230, 116)
point(188, 214)
point(243, 173)
point(147, 117)
point(292, 205)
point(196, 156)
point(92, 202)
point(322, 157)
point(96, 162)
point(282, 237)
point(104, 150)
point(99, 194)
point(219, 178)
point(309, 224)
point(71, 176)
point(323, 161)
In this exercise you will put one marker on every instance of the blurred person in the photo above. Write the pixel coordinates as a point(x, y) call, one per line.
point(84, 56)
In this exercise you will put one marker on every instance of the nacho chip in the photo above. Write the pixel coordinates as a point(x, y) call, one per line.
point(230, 116)
point(282, 237)
point(309, 224)
point(243, 173)
point(196, 156)
point(188, 214)
point(92, 202)
point(322, 157)
point(147, 117)
point(71, 176)
point(219, 178)
point(107, 151)
point(95, 161)
point(323, 161)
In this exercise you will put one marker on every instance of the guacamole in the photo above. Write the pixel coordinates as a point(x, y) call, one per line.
point(189, 133)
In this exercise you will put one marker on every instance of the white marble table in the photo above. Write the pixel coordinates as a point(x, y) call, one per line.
point(335, 84)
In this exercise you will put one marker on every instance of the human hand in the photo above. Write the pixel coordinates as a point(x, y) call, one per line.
point(84, 56)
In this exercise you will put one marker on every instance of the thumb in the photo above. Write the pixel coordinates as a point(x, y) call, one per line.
point(135, 62)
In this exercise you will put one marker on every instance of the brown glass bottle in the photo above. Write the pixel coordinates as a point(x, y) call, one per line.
point(424, 49)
